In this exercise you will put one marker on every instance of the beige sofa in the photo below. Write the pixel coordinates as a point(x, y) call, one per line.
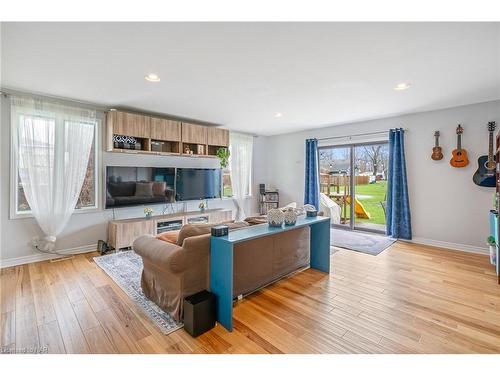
point(174, 271)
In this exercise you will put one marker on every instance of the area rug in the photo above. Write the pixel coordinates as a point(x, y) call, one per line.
point(367, 243)
point(125, 268)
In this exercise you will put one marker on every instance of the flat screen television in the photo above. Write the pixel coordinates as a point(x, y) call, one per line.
point(197, 183)
point(131, 186)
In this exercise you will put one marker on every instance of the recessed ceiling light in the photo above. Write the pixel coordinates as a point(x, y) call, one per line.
point(402, 86)
point(278, 114)
point(151, 77)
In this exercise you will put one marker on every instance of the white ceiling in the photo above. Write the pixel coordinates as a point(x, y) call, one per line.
point(241, 74)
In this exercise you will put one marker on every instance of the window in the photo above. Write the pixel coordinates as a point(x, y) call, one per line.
point(227, 189)
point(88, 195)
point(42, 139)
point(240, 149)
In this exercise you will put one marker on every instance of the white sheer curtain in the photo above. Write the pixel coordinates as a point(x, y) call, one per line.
point(240, 164)
point(52, 142)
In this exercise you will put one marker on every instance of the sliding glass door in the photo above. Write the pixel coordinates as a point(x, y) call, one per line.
point(371, 163)
point(335, 171)
point(354, 182)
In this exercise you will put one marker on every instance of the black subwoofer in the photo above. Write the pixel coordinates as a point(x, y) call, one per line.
point(199, 313)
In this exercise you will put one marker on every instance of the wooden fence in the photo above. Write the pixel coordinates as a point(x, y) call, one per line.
point(343, 180)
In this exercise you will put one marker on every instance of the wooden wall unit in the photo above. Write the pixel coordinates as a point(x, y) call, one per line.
point(168, 136)
point(195, 134)
point(165, 130)
point(217, 137)
point(122, 233)
point(131, 124)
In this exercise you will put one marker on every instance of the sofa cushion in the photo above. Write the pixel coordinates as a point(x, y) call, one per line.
point(170, 236)
point(159, 188)
point(144, 189)
point(121, 189)
point(190, 230)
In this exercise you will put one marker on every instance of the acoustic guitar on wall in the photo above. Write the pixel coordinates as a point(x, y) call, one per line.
point(459, 155)
point(485, 174)
point(437, 152)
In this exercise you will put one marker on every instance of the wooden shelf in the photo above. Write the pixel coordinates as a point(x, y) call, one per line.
point(171, 147)
point(212, 150)
point(123, 151)
point(195, 148)
point(159, 136)
point(129, 151)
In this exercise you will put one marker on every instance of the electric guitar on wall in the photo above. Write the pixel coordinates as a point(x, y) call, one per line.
point(437, 152)
point(485, 174)
point(459, 155)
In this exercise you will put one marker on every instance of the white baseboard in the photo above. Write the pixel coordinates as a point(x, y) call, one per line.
point(451, 245)
point(38, 257)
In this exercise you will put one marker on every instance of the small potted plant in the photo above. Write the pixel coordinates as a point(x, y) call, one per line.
point(493, 253)
point(223, 155)
point(202, 206)
point(148, 211)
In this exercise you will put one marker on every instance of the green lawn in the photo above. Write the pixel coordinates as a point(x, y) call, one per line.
point(370, 196)
point(228, 191)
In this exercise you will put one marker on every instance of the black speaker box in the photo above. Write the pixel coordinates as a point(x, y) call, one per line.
point(311, 213)
point(219, 230)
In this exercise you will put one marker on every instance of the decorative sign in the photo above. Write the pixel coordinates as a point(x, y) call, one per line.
point(124, 139)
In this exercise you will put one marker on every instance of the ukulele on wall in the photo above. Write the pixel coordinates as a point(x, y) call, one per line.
point(437, 152)
point(485, 174)
point(459, 155)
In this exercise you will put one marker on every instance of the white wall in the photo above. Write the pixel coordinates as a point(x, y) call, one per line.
point(448, 209)
point(85, 229)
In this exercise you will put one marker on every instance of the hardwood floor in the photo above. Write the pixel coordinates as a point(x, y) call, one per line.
point(409, 299)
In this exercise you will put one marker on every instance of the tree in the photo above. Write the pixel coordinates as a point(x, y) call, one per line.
point(374, 154)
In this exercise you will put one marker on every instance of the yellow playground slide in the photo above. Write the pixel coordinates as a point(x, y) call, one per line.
point(359, 210)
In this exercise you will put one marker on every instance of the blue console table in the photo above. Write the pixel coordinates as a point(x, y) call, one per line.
point(494, 232)
point(221, 258)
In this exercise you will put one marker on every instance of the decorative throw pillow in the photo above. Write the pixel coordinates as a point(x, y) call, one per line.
point(144, 189)
point(256, 220)
point(159, 188)
point(170, 236)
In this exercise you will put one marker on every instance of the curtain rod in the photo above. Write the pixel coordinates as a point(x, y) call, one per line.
point(355, 135)
point(9, 92)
